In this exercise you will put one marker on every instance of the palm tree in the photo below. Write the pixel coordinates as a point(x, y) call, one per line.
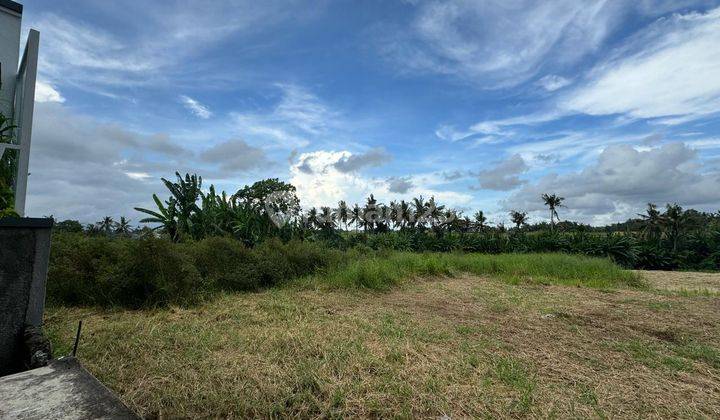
point(674, 219)
point(106, 225)
point(405, 214)
point(326, 219)
point(370, 213)
point(312, 218)
point(356, 216)
point(553, 202)
point(519, 218)
point(419, 211)
point(480, 220)
point(435, 212)
point(123, 226)
point(652, 222)
point(92, 229)
point(342, 213)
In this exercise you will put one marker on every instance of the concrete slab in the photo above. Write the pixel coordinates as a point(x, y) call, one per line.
point(61, 390)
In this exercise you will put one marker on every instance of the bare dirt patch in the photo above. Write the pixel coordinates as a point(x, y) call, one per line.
point(463, 347)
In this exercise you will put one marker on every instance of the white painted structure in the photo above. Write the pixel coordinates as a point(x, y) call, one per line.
point(17, 91)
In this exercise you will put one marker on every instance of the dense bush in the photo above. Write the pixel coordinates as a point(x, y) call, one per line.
point(149, 271)
point(225, 263)
point(78, 263)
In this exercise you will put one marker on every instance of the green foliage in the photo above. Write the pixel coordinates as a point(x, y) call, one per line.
point(8, 169)
point(673, 239)
point(150, 271)
point(268, 208)
point(87, 270)
point(225, 263)
point(384, 270)
point(72, 226)
point(154, 273)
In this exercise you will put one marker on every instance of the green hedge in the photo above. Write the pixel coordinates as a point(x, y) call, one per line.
point(135, 273)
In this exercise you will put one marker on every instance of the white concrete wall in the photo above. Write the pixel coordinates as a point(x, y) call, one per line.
point(9, 56)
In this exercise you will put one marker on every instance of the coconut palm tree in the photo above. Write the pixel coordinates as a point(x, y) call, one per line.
point(652, 222)
point(480, 220)
point(342, 213)
point(370, 214)
point(106, 225)
point(123, 226)
point(674, 220)
point(326, 219)
point(356, 216)
point(435, 212)
point(419, 208)
point(405, 214)
point(312, 218)
point(519, 218)
point(553, 202)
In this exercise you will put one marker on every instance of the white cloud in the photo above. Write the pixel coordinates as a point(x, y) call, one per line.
point(671, 69)
point(200, 110)
point(235, 156)
point(622, 180)
point(90, 169)
point(500, 44)
point(45, 92)
point(140, 176)
point(400, 185)
point(553, 82)
point(324, 185)
point(152, 47)
point(505, 175)
point(357, 161)
point(296, 116)
point(449, 133)
point(669, 73)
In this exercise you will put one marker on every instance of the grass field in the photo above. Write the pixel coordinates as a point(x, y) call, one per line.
point(460, 336)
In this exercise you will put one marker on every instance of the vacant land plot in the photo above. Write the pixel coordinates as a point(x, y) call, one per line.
point(462, 346)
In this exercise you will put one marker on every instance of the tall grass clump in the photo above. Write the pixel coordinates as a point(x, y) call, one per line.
point(380, 272)
point(548, 268)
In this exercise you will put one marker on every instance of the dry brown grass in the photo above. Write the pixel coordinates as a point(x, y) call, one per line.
point(683, 280)
point(464, 346)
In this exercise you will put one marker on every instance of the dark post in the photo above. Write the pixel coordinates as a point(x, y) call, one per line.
point(24, 257)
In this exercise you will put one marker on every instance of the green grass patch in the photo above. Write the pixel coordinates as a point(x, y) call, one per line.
point(382, 272)
point(517, 375)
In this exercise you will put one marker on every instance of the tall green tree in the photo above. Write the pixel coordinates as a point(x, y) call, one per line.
point(106, 225)
point(419, 209)
point(674, 220)
point(356, 216)
point(652, 222)
point(343, 213)
point(552, 201)
point(480, 221)
point(519, 218)
point(370, 214)
point(122, 227)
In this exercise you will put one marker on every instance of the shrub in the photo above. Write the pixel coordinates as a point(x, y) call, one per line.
point(155, 273)
point(225, 263)
point(77, 262)
point(97, 270)
point(277, 262)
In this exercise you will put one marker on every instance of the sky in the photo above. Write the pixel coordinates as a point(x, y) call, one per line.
point(484, 105)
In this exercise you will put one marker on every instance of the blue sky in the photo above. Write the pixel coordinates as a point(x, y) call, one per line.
point(482, 104)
